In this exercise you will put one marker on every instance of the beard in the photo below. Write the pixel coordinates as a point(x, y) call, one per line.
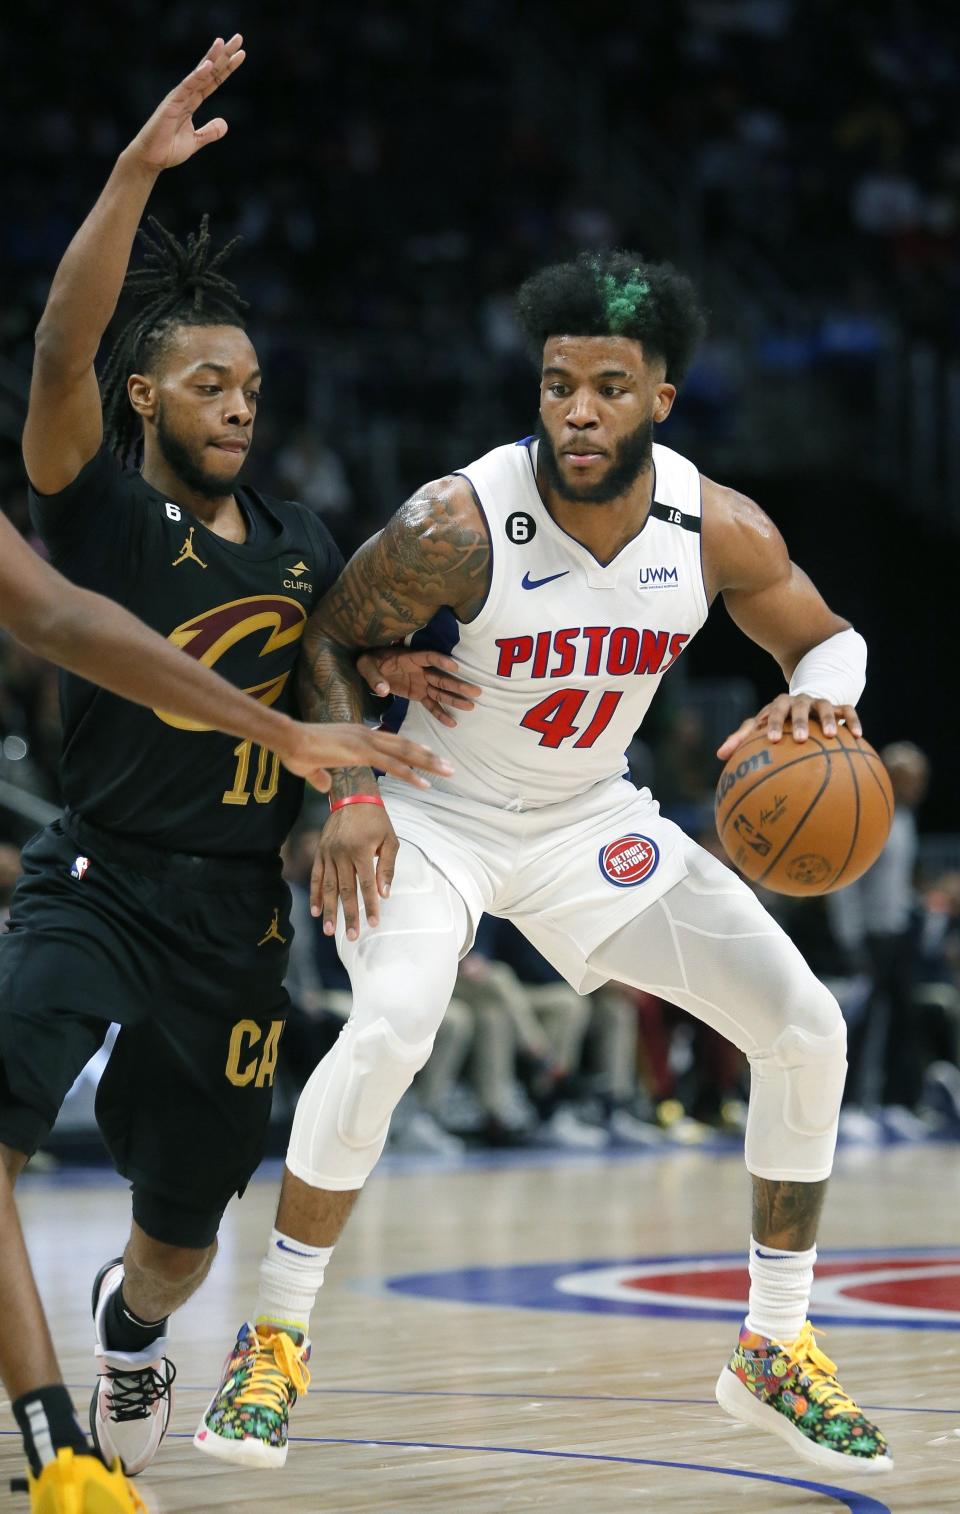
point(632, 458)
point(187, 468)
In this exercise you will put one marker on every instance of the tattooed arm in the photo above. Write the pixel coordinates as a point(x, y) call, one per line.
point(434, 552)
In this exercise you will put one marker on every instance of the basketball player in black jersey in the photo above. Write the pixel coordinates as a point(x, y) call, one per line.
point(158, 902)
point(102, 642)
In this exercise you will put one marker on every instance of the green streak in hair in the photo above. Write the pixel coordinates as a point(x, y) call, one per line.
point(621, 300)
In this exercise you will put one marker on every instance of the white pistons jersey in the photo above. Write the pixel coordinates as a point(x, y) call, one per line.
point(568, 652)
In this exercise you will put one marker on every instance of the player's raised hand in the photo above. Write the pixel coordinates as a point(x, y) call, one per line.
point(170, 137)
point(313, 749)
point(429, 678)
point(797, 710)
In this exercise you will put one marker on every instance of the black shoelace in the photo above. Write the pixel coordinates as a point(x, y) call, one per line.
point(132, 1394)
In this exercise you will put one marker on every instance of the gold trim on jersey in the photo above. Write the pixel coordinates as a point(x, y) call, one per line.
point(209, 635)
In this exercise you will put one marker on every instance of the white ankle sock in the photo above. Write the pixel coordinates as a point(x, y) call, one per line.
point(780, 1284)
point(291, 1275)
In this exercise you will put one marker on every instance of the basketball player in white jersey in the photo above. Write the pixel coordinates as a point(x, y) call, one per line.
point(570, 571)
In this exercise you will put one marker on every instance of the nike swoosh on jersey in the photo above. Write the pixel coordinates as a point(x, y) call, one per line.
point(537, 583)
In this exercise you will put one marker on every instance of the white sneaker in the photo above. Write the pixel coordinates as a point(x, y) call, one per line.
point(422, 1135)
point(565, 1128)
point(626, 1130)
point(860, 1128)
point(133, 1400)
point(901, 1124)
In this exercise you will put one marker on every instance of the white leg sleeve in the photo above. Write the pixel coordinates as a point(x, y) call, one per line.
point(709, 946)
point(402, 975)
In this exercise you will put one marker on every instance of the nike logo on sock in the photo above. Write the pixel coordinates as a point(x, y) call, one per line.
point(282, 1246)
point(527, 582)
point(772, 1256)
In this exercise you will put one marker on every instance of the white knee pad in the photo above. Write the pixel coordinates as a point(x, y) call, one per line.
point(795, 1093)
point(402, 974)
point(381, 1069)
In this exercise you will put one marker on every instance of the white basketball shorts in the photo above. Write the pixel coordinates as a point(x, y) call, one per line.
point(568, 875)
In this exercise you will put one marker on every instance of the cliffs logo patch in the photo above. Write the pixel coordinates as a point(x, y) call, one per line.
point(897, 1287)
point(629, 860)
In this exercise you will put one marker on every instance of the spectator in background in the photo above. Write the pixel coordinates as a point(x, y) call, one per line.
point(685, 770)
point(937, 998)
point(874, 918)
point(9, 873)
point(312, 472)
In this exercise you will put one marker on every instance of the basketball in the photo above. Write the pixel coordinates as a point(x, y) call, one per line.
point(805, 817)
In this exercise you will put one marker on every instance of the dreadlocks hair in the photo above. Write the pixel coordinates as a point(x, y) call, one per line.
point(178, 285)
point(615, 293)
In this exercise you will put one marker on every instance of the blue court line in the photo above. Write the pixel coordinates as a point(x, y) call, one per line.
point(856, 1503)
point(564, 1398)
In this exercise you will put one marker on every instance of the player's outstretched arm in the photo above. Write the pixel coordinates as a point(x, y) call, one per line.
point(778, 607)
point(64, 425)
point(435, 551)
point(95, 638)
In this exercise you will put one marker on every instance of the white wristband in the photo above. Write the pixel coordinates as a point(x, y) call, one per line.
point(834, 670)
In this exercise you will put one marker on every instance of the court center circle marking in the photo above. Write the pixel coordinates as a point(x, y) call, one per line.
point(895, 1287)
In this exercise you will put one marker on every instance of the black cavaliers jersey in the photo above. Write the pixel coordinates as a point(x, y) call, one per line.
point(238, 607)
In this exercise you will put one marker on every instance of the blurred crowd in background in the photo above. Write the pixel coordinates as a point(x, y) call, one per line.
point(395, 171)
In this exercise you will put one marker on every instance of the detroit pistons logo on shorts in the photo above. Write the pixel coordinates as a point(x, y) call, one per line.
point(629, 860)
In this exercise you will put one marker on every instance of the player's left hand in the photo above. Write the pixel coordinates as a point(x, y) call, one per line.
point(797, 709)
point(429, 678)
point(313, 749)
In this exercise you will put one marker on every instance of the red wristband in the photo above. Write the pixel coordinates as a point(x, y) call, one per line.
point(338, 804)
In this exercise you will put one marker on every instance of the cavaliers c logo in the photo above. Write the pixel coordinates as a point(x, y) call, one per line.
point(212, 633)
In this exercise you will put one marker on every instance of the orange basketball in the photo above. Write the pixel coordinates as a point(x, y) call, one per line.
point(804, 817)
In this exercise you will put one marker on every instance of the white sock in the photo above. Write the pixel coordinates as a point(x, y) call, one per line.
point(291, 1276)
point(780, 1284)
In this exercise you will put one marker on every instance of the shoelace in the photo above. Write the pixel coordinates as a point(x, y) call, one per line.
point(279, 1363)
point(133, 1394)
point(822, 1373)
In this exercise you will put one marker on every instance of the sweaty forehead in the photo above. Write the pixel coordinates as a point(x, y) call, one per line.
point(595, 354)
point(224, 347)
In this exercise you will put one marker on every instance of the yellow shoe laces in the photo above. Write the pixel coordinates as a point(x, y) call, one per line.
point(279, 1363)
point(822, 1373)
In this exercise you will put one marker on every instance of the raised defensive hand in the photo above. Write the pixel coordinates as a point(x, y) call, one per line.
point(170, 137)
point(429, 678)
point(316, 748)
point(797, 709)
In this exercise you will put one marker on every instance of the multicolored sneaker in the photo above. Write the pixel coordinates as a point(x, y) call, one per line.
point(80, 1485)
point(247, 1420)
point(792, 1391)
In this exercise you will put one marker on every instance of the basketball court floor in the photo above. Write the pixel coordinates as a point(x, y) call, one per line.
point(544, 1332)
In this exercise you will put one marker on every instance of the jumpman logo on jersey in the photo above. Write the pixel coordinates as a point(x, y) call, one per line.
point(187, 553)
point(273, 931)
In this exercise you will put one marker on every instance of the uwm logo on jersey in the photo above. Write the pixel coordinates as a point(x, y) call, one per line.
point(274, 619)
point(589, 652)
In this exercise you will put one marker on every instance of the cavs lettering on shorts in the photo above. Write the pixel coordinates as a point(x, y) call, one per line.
point(629, 860)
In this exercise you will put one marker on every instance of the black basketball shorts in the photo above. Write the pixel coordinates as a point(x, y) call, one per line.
point(188, 955)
